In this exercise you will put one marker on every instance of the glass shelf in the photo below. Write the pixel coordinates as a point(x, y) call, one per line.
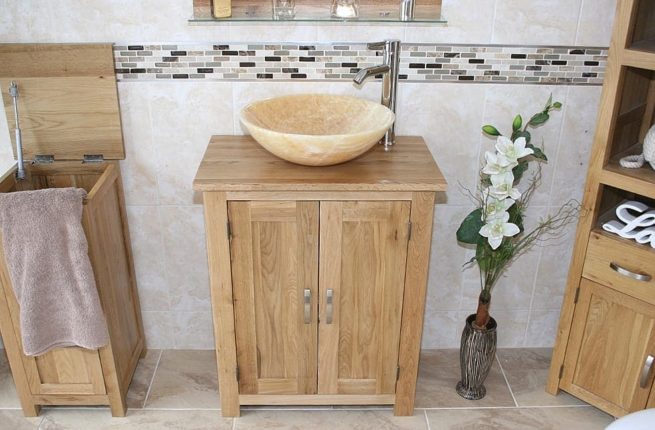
point(383, 12)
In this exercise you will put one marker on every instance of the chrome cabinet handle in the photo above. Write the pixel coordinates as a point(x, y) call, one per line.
point(329, 306)
point(625, 272)
point(308, 305)
point(645, 372)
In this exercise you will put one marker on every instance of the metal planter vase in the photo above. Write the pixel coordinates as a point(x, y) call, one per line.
point(476, 355)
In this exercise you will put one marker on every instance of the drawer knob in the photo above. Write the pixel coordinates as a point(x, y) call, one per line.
point(645, 372)
point(625, 272)
point(307, 298)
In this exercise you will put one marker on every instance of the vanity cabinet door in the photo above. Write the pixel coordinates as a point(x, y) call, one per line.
point(363, 251)
point(274, 252)
point(607, 360)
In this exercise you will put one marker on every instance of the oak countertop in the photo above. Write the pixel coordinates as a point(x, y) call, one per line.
point(238, 163)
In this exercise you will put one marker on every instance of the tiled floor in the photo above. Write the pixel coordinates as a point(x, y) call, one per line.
point(178, 390)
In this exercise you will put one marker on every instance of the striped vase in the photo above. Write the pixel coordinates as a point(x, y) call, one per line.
point(476, 355)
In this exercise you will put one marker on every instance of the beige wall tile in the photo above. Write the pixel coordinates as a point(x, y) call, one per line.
point(185, 258)
point(542, 328)
point(511, 327)
point(441, 329)
point(547, 22)
point(146, 234)
point(193, 330)
point(578, 129)
point(139, 169)
point(596, 20)
point(469, 21)
point(184, 117)
point(448, 117)
point(158, 327)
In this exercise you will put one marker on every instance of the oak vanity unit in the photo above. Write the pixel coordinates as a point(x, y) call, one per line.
point(69, 115)
point(318, 274)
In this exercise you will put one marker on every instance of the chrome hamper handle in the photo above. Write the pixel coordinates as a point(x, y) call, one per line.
point(630, 274)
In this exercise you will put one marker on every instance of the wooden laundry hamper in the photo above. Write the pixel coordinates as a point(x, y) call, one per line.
point(69, 116)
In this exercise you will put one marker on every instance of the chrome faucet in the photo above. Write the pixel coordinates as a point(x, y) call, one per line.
point(389, 70)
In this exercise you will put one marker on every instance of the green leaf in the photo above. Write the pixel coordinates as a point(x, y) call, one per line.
point(557, 105)
point(490, 130)
point(539, 118)
point(518, 122)
point(549, 102)
point(482, 255)
point(519, 170)
point(469, 230)
point(538, 153)
point(525, 134)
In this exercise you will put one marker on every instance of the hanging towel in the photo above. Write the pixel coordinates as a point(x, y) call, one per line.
point(47, 256)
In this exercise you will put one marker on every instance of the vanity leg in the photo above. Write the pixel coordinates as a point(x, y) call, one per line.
point(416, 279)
point(220, 280)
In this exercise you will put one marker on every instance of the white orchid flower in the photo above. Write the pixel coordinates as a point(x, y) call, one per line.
point(501, 187)
point(512, 150)
point(497, 164)
point(498, 228)
point(494, 208)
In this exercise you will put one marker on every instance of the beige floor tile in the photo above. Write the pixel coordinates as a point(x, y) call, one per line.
point(185, 379)
point(8, 395)
point(136, 395)
point(14, 420)
point(556, 418)
point(527, 371)
point(438, 375)
point(332, 420)
point(89, 419)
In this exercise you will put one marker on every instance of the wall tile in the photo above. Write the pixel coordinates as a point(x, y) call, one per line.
point(159, 328)
point(552, 22)
point(184, 117)
point(511, 327)
point(442, 330)
point(469, 21)
point(542, 328)
point(596, 20)
point(579, 125)
point(146, 234)
point(553, 271)
point(139, 169)
point(193, 330)
point(448, 117)
point(185, 257)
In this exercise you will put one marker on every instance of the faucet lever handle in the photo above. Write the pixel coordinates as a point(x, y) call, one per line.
point(376, 46)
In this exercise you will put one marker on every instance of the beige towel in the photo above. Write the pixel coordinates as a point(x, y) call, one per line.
point(47, 256)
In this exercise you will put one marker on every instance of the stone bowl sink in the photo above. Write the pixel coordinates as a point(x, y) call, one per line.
point(317, 129)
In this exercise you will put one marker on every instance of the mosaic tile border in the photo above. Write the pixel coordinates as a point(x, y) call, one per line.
point(573, 65)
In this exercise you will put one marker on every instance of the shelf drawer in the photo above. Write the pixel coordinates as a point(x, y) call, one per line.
point(617, 263)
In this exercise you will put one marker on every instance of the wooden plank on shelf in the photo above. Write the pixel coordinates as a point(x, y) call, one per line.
point(639, 181)
point(639, 58)
point(318, 399)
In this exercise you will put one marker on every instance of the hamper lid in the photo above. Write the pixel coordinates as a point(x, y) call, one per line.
point(67, 99)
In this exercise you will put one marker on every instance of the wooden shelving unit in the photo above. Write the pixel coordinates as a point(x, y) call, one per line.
point(607, 326)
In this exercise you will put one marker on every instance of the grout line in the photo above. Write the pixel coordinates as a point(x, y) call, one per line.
point(493, 22)
point(576, 37)
point(473, 408)
point(152, 380)
point(506, 381)
point(234, 423)
point(427, 421)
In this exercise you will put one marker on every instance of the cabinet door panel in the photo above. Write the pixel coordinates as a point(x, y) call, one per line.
point(611, 336)
point(274, 252)
point(363, 251)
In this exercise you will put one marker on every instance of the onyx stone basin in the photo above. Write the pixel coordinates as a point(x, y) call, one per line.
point(317, 129)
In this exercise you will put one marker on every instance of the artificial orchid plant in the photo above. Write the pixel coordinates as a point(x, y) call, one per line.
point(496, 226)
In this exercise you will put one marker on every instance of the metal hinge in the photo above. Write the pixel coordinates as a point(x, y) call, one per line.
point(409, 231)
point(43, 159)
point(228, 229)
point(561, 371)
point(397, 373)
point(93, 158)
point(577, 295)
